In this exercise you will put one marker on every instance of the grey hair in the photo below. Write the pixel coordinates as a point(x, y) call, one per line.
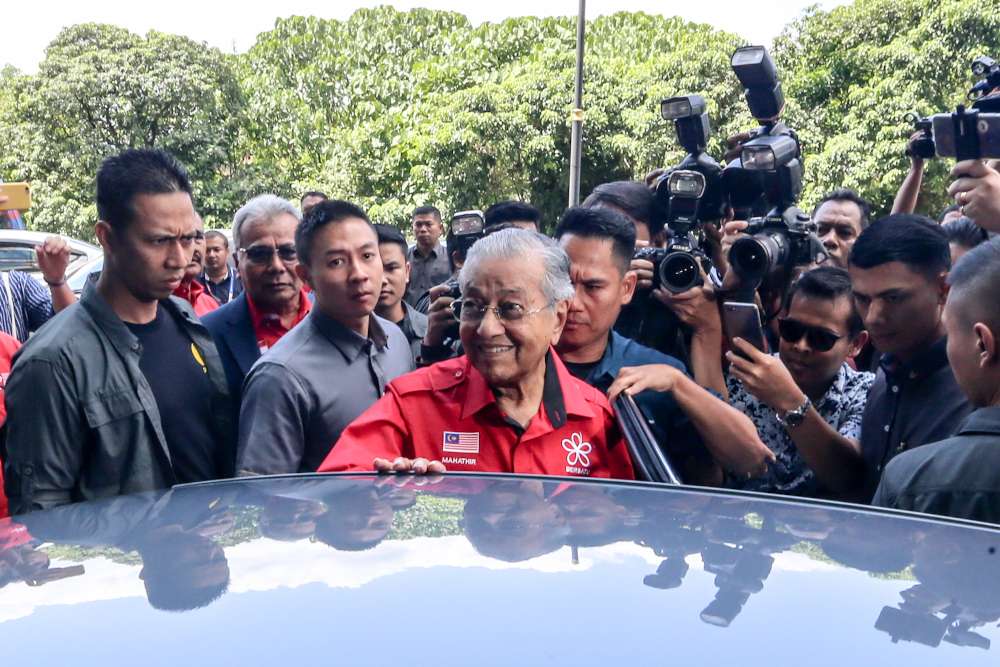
point(520, 244)
point(260, 208)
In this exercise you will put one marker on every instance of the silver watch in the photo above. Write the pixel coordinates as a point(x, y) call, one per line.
point(795, 417)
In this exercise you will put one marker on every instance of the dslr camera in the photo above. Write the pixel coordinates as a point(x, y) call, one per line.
point(770, 166)
point(690, 193)
point(465, 229)
point(966, 133)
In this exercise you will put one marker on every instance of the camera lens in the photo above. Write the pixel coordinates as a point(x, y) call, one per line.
point(760, 254)
point(679, 272)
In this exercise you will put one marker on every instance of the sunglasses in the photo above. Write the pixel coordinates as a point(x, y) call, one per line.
point(264, 254)
point(819, 339)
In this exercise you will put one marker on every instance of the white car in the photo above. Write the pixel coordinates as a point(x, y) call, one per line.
point(17, 252)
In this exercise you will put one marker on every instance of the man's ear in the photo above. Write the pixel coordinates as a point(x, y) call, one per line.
point(986, 345)
point(628, 287)
point(302, 271)
point(858, 342)
point(104, 234)
point(944, 288)
point(407, 274)
point(562, 312)
point(455, 259)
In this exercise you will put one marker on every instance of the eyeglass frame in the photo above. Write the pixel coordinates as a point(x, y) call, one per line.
point(274, 250)
point(458, 305)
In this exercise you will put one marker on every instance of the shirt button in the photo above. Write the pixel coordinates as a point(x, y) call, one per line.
point(458, 374)
point(886, 428)
point(895, 389)
point(878, 467)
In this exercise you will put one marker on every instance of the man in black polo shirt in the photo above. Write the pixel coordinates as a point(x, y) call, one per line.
point(898, 269)
point(960, 476)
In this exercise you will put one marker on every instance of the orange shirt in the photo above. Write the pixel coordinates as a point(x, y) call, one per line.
point(195, 294)
point(268, 326)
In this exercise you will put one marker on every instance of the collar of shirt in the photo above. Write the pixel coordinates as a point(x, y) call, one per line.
point(433, 254)
point(413, 327)
point(190, 292)
point(614, 358)
point(350, 343)
point(261, 319)
point(985, 421)
point(836, 391)
point(557, 403)
point(931, 360)
point(204, 279)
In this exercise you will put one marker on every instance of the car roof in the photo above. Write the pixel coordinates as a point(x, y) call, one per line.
point(495, 569)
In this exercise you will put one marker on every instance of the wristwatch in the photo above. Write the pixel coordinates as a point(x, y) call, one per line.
point(795, 417)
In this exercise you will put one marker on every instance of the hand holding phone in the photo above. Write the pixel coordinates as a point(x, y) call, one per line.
point(18, 196)
point(742, 320)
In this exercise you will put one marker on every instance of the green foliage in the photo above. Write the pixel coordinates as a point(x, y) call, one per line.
point(432, 516)
point(853, 72)
point(397, 109)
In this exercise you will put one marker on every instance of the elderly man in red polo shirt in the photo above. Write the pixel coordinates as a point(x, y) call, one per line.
point(509, 405)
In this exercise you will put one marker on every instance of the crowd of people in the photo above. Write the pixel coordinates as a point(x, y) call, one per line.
point(323, 342)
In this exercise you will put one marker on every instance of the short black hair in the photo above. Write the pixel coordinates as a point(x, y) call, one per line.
point(914, 240)
point(142, 171)
point(829, 283)
point(389, 234)
point(978, 272)
point(601, 223)
point(512, 211)
point(211, 234)
point(313, 193)
point(319, 216)
point(950, 209)
point(426, 210)
point(634, 198)
point(964, 232)
point(845, 194)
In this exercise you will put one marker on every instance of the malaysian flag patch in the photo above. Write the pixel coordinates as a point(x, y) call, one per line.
point(461, 443)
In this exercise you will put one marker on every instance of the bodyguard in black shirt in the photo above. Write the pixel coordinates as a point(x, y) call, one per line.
point(960, 476)
point(898, 269)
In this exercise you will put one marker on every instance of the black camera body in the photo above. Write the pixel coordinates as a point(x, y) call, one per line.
point(784, 239)
point(772, 161)
point(922, 146)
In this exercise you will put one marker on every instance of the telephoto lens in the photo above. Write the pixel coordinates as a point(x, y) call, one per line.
point(759, 254)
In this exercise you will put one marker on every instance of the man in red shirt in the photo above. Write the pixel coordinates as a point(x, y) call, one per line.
point(510, 405)
point(190, 289)
point(8, 346)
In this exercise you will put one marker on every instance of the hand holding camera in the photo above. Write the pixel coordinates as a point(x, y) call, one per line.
point(977, 191)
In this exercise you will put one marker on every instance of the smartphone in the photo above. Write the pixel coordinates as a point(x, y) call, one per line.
point(20, 196)
point(987, 136)
point(742, 320)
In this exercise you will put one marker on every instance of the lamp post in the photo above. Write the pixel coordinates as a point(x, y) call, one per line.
point(577, 119)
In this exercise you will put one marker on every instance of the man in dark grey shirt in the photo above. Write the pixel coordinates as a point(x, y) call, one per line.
point(428, 258)
point(899, 267)
point(319, 377)
point(960, 476)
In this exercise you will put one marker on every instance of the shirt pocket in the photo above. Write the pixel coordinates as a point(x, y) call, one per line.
point(109, 406)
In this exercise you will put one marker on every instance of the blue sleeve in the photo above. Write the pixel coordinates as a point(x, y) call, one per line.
point(36, 301)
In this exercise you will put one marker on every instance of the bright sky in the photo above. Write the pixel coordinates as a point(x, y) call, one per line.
point(28, 27)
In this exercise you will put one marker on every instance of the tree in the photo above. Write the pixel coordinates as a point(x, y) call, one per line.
point(102, 89)
point(853, 72)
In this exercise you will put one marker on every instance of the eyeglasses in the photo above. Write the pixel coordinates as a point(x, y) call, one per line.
point(466, 311)
point(819, 339)
point(264, 254)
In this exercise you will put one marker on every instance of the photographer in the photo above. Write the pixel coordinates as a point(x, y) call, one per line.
point(684, 417)
point(646, 320)
point(807, 401)
point(840, 216)
point(517, 213)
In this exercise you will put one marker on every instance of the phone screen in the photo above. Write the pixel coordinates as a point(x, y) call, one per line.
point(742, 320)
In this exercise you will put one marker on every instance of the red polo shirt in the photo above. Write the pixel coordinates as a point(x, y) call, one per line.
point(195, 294)
point(8, 346)
point(268, 326)
point(447, 412)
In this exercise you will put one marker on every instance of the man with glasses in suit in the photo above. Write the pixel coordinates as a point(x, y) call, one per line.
point(273, 300)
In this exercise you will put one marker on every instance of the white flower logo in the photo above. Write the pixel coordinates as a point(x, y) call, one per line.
point(578, 451)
